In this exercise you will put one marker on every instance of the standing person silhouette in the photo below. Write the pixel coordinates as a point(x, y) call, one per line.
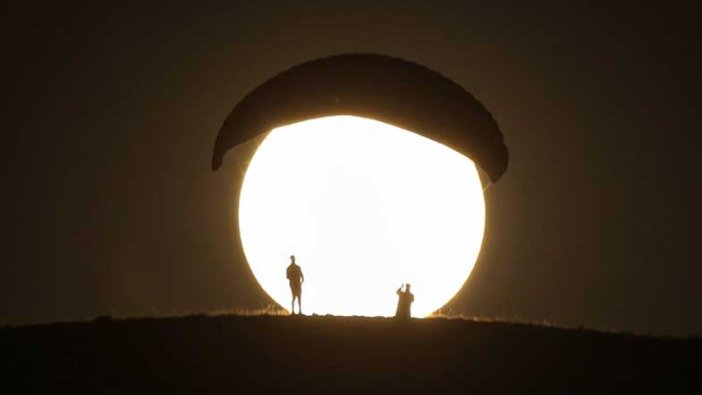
point(295, 277)
point(404, 302)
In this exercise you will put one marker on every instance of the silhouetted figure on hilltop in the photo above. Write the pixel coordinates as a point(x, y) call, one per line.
point(295, 277)
point(404, 302)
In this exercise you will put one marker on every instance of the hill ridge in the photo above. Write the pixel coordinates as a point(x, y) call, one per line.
point(316, 354)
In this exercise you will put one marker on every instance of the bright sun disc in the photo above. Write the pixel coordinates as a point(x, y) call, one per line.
point(364, 206)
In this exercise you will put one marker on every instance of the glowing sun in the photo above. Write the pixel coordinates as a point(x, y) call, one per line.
point(364, 206)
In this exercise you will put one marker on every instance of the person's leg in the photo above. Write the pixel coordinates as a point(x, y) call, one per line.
point(292, 308)
point(299, 303)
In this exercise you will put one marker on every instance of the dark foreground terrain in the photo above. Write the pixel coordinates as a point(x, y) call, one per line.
point(329, 355)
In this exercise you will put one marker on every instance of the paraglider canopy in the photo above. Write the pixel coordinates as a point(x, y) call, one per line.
point(379, 87)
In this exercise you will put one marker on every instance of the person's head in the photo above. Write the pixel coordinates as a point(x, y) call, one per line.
point(292, 258)
point(407, 287)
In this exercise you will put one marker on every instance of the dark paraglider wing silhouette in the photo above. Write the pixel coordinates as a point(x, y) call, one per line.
point(379, 87)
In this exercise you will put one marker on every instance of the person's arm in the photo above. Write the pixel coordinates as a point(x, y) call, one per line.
point(302, 277)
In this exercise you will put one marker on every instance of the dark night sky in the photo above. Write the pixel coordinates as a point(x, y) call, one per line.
point(109, 115)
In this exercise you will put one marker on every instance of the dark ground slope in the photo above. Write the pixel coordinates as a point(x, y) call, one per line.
point(267, 354)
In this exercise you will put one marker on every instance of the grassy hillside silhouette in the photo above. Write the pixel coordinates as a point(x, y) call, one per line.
point(269, 354)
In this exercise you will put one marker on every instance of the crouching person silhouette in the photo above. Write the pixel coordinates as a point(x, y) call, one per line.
point(404, 302)
point(295, 277)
